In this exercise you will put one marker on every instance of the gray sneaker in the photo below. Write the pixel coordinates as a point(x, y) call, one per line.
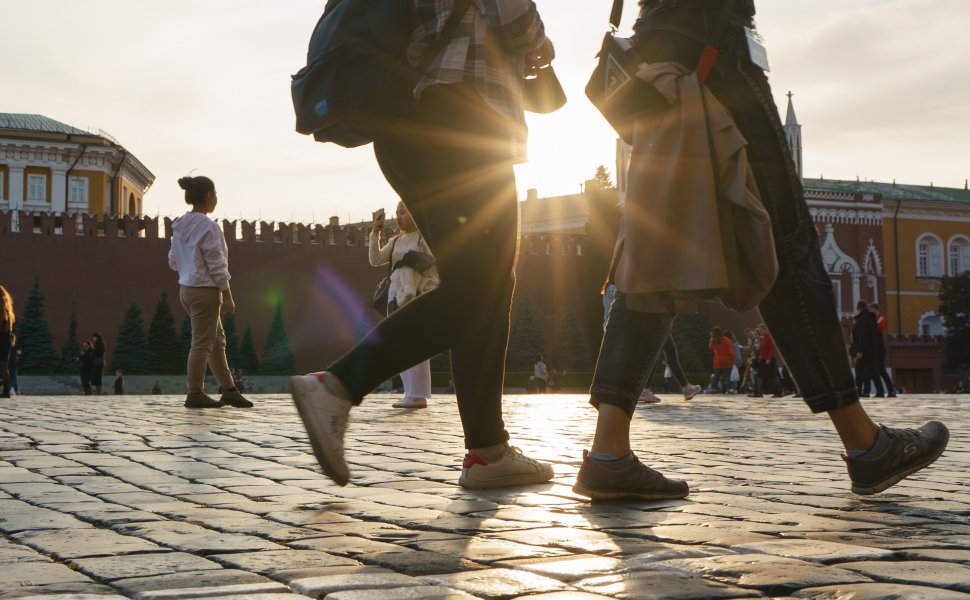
point(899, 454)
point(626, 478)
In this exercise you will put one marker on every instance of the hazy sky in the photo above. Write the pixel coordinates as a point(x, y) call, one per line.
point(882, 89)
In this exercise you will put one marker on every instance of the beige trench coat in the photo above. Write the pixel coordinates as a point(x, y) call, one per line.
point(694, 226)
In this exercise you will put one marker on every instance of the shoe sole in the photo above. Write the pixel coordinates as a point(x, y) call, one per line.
point(331, 468)
point(511, 480)
point(607, 495)
point(692, 396)
point(897, 477)
point(237, 405)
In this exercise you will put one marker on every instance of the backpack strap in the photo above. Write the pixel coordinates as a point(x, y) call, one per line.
point(458, 11)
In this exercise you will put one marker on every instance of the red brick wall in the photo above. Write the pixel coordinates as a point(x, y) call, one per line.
point(325, 288)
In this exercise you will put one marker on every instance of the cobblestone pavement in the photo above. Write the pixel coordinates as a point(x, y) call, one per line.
point(138, 497)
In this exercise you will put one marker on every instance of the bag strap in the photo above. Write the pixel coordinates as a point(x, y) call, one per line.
point(711, 49)
point(458, 11)
point(390, 262)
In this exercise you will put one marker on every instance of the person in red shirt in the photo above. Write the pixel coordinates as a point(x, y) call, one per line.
point(882, 326)
point(723, 350)
point(767, 365)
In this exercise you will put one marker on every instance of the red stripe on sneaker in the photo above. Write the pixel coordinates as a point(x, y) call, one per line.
point(473, 459)
point(320, 376)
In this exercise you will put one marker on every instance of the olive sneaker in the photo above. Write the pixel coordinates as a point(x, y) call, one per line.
point(895, 455)
point(514, 468)
point(325, 416)
point(625, 478)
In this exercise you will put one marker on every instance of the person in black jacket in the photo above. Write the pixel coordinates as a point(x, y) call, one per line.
point(865, 343)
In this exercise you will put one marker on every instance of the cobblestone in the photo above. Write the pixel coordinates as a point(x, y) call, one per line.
point(138, 497)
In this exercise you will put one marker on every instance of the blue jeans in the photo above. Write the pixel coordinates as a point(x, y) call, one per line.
point(800, 309)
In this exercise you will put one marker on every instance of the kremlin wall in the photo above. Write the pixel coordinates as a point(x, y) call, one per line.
point(320, 272)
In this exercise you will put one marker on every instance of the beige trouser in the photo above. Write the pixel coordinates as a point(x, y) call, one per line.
point(208, 339)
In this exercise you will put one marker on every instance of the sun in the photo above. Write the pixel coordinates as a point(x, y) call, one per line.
point(565, 147)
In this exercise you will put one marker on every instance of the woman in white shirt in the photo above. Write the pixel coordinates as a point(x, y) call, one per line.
point(407, 283)
point(200, 256)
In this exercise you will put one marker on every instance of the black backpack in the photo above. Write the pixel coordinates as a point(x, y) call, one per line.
point(357, 81)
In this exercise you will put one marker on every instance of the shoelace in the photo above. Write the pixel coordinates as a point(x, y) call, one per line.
point(902, 433)
point(516, 453)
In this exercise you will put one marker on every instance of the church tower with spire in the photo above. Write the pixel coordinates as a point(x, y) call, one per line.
point(793, 133)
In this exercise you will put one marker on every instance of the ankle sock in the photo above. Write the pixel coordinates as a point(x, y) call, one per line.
point(877, 443)
point(606, 457)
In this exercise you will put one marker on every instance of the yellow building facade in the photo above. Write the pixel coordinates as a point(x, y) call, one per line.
point(49, 166)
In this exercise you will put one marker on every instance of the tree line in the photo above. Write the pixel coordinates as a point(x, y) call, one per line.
point(158, 350)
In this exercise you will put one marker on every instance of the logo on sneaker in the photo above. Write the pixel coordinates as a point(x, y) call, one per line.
point(910, 449)
point(473, 459)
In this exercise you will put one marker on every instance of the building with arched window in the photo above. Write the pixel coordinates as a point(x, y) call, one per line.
point(48, 166)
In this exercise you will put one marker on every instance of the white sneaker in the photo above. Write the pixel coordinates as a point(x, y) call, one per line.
point(409, 402)
point(514, 468)
point(648, 397)
point(691, 390)
point(325, 417)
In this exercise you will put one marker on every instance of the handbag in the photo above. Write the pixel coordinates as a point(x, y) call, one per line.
point(617, 92)
point(379, 300)
point(542, 92)
point(417, 260)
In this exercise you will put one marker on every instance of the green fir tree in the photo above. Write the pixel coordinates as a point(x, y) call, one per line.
point(232, 340)
point(71, 348)
point(525, 339)
point(691, 333)
point(955, 310)
point(277, 351)
point(185, 341)
point(38, 356)
point(131, 355)
point(572, 349)
point(163, 341)
point(248, 360)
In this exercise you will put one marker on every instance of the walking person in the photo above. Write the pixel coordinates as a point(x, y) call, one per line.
point(408, 281)
point(798, 307)
point(723, 350)
point(451, 163)
point(7, 320)
point(200, 256)
point(85, 365)
point(882, 350)
point(865, 342)
point(735, 376)
point(768, 376)
point(98, 351)
point(540, 374)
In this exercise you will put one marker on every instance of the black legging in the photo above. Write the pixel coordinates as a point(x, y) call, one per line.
point(453, 170)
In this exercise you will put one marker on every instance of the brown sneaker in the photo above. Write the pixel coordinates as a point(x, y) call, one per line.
point(626, 478)
point(200, 400)
point(234, 398)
